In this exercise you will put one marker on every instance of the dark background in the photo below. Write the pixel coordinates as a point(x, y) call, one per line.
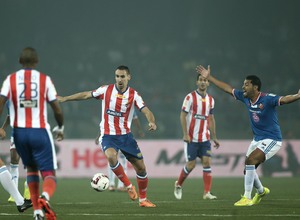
point(80, 43)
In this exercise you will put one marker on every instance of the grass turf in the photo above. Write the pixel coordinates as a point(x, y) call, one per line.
point(76, 200)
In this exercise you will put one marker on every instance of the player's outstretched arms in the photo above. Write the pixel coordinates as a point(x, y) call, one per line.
point(290, 98)
point(75, 97)
point(206, 73)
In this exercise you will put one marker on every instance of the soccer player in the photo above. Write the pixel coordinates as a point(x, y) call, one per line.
point(267, 138)
point(28, 92)
point(14, 160)
point(198, 126)
point(118, 103)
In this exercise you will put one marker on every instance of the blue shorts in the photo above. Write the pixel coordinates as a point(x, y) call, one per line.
point(193, 150)
point(36, 148)
point(125, 143)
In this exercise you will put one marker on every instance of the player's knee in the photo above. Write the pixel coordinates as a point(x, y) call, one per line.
point(46, 173)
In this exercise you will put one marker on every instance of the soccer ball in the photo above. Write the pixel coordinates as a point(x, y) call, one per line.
point(100, 182)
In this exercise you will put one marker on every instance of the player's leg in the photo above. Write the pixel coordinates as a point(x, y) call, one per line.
point(142, 181)
point(270, 148)
point(207, 178)
point(14, 166)
point(190, 152)
point(44, 156)
point(111, 177)
point(10, 187)
point(123, 162)
point(205, 155)
point(111, 155)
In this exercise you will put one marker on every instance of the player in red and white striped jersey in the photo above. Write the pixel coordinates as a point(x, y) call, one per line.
point(29, 91)
point(198, 126)
point(118, 103)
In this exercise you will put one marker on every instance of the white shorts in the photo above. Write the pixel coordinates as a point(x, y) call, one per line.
point(268, 146)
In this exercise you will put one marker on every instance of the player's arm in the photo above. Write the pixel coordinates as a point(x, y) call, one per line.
point(212, 128)
point(138, 126)
point(58, 115)
point(150, 118)
point(2, 104)
point(76, 96)
point(183, 123)
point(222, 85)
point(290, 98)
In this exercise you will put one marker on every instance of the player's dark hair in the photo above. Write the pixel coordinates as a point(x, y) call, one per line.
point(28, 57)
point(255, 81)
point(122, 67)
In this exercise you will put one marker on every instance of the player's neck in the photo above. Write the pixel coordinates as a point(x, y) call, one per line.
point(255, 97)
point(202, 93)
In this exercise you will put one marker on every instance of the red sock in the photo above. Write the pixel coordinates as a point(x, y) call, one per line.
point(119, 171)
point(183, 175)
point(49, 185)
point(34, 188)
point(207, 180)
point(142, 184)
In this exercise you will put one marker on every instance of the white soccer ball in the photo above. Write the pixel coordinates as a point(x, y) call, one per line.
point(100, 182)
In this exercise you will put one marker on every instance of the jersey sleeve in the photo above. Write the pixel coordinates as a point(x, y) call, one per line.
point(99, 93)
point(187, 103)
point(211, 111)
point(51, 91)
point(273, 99)
point(238, 94)
point(5, 90)
point(139, 102)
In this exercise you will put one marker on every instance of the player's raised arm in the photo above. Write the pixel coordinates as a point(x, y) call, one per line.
point(290, 98)
point(206, 73)
point(76, 97)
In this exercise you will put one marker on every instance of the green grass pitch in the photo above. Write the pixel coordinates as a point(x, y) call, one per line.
point(76, 200)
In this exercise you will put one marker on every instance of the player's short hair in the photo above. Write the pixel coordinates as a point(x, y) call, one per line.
point(28, 56)
point(255, 81)
point(122, 67)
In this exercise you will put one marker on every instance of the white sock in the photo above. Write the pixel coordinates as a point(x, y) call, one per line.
point(257, 184)
point(9, 186)
point(249, 180)
point(14, 171)
point(111, 176)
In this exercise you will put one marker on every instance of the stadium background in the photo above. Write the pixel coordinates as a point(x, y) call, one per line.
point(81, 43)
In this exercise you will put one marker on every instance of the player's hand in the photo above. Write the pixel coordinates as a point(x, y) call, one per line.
point(58, 133)
point(152, 126)
point(186, 138)
point(61, 99)
point(2, 133)
point(97, 140)
point(204, 72)
point(217, 144)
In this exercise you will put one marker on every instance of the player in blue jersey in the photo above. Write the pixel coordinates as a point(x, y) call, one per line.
point(267, 138)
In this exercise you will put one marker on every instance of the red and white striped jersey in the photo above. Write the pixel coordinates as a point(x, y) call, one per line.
point(198, 108)
point(28, 92)
point(117, 108)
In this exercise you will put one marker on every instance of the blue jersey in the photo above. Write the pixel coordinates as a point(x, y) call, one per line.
point(262, 115)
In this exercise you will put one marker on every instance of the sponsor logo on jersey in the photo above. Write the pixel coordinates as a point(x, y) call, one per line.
point(120, 96)
point(114, 113)
point(28, 103)
point(261, 106)
point(201, 117)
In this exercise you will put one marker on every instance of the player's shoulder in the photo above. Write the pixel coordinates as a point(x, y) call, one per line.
point(268, 95)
